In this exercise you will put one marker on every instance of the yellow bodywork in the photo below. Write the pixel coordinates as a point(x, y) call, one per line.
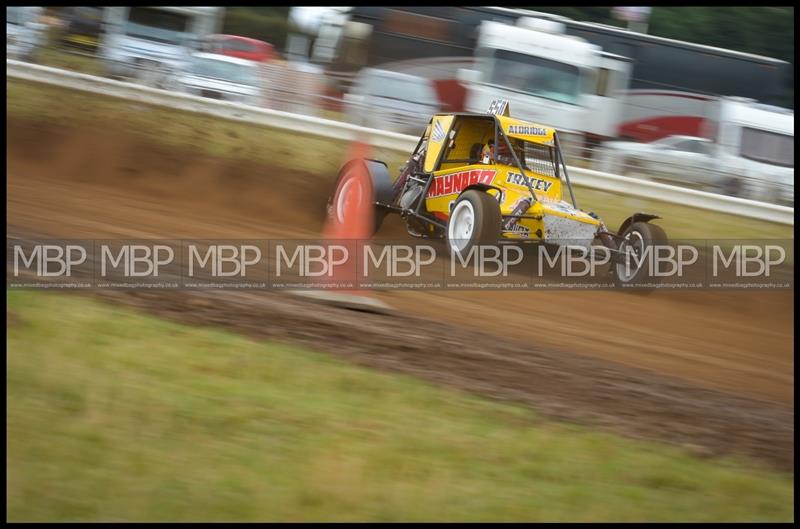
point(437, 136)
point(548, 217)
point(86, 40)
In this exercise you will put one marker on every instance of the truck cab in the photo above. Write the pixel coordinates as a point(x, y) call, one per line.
point(154, 42)
point(549, 77)
point(756, 141)
point(24, 32)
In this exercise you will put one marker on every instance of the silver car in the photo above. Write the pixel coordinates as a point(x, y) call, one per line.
point(391, 101)
point(763, 169)
point(221, 77)
point(686, 160)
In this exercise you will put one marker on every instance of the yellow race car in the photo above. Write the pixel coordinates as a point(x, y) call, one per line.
point(477, 179)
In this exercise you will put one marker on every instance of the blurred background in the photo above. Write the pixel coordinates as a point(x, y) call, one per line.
point(504, 404)
point(700, 97)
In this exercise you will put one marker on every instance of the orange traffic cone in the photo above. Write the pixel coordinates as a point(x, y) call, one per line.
point(350, 226)
point(352, 203)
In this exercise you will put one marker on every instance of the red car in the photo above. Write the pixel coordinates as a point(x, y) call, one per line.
point(240, 47)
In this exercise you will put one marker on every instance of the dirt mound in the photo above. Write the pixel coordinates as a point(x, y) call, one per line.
point(170, 176)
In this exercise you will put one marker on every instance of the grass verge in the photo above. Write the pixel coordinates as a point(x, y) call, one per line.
point(81, 61)
point(114, 415)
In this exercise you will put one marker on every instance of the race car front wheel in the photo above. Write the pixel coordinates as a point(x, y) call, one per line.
point(474, 220)
point(636, 256)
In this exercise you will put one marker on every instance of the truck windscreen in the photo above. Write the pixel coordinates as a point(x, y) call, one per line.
point(156, 24)
point(767, 147)
point(538, 76)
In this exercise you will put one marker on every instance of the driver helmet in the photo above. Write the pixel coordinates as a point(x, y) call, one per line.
point(496, 153)
point(502, 154)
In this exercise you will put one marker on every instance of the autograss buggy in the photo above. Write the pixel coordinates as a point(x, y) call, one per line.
point(477, 179)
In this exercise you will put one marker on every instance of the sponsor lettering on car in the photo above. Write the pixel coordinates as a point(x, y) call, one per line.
point(456, 182)
point(519, 229)
point(526, 130)
point(536, 183)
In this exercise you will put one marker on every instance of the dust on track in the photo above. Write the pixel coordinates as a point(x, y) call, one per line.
point(708, 371)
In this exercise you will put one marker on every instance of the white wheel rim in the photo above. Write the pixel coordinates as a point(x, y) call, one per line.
point(461, 225)
point(635, 241)
point(350, 190)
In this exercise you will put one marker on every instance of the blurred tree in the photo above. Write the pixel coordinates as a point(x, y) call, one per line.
point(761, 30)
point(767, 31)
point(584, 13)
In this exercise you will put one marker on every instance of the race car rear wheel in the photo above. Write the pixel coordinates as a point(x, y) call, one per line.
point(377, 187)
point(474, 220)
point(634, 268)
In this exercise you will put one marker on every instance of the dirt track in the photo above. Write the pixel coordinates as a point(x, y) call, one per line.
point(713, 371)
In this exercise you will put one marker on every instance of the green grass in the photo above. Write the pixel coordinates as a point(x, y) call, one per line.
point(57, 57)
point(113, 415)
point(322, 157)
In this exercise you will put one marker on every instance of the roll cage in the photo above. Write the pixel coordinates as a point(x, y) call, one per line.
point(555, 152)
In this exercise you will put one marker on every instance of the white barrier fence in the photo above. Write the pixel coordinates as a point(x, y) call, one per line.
point(740, 207)
point(213, 107)
point(381, 139)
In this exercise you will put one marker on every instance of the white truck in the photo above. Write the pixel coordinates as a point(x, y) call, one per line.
point(756, 142)
point(24, 32)
point(747, 150)
point(152, 43)
point(548, 77)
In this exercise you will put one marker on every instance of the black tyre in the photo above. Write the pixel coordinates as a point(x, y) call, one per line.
point(474, 220)
point(379, 189)
point(634, 268)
